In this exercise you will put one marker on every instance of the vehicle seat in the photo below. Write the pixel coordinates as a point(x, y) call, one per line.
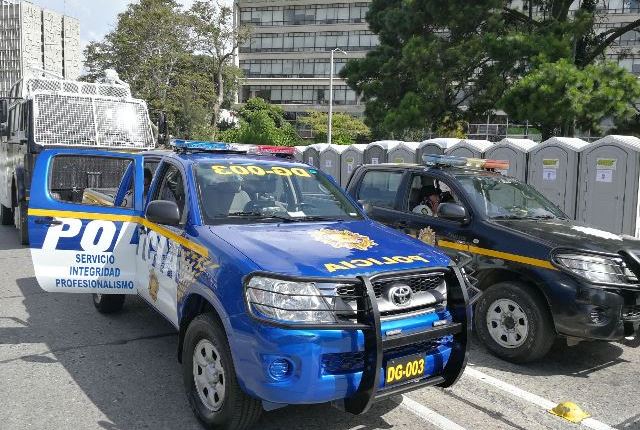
point(224, 198)
point(415, 197)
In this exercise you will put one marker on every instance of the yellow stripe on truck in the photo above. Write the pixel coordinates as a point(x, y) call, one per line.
point(123, 218)
point(497, 254)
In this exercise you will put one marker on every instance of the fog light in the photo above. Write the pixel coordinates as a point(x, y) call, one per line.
point(280, 369)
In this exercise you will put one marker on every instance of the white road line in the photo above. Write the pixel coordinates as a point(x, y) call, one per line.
point(529, 397)
point(429, 415)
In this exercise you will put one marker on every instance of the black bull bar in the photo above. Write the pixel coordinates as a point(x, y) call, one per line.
point(366, 317)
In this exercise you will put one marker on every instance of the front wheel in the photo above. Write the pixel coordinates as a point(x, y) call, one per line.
point(108, 303)
point(210, 378)
point(514, 322)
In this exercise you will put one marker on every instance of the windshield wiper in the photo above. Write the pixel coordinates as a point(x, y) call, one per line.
point(317, 218)
point(263, 216)
point(507, 217)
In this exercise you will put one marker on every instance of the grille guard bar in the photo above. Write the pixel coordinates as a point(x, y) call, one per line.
point(367, 319)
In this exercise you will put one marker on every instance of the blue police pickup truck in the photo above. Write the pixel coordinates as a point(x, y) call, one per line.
point(282, 290)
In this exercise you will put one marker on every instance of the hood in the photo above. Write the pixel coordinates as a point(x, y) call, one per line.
point(571, 234)
point(329, 249)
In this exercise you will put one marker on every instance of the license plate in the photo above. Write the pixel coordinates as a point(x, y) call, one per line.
point(404, 368)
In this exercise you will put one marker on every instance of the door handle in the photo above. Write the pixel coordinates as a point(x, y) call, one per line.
point(48, 221)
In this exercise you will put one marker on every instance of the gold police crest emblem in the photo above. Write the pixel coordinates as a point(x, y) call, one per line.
point(427, 236)
point(343, 239)
point(154, 285)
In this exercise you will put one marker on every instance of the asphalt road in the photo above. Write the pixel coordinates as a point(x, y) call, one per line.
point(64, 366)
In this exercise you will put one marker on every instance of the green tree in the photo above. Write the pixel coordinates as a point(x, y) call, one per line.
point(560, 97)
point(442, 62)
point(346, 129)
point(216, 36)
point(262, 123)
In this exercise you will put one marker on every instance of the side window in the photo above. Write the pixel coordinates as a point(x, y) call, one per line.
point(150, 167)
point(91, 180)
point(171, 188)
point(380, 188)
point(427, 193)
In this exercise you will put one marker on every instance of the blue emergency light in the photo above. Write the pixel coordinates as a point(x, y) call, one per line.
point(186, 145)
point(443, 160)
point(473, 163)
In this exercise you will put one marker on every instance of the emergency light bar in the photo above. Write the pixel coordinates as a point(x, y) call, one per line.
point(195, 145)
point(474, 163)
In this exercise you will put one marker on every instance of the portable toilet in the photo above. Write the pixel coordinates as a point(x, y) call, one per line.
point(435, 146)
point(352, 157)
point(553, 171)
point(469, 148)
point(312, 155)
point(376, 152)
point(608, 185)
point(403, 153)
point(298, 153)
point(330, 160)
point(515, 151)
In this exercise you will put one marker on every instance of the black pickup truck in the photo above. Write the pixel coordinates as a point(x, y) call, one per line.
point(542, 274)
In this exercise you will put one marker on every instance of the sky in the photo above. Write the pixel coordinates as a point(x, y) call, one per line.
point(97, 17)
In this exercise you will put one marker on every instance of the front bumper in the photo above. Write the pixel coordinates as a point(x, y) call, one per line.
point(591, 312)
point(347, 365)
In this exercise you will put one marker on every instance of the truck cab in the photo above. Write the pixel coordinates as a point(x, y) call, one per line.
point(46, 111)
point(542, 275)
point(283, 291)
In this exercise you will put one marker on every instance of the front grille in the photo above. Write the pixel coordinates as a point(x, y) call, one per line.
point(349, 362)
point(418, 283)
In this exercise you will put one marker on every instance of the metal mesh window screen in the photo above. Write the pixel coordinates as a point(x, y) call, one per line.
point(59, 85)
point(68, 120)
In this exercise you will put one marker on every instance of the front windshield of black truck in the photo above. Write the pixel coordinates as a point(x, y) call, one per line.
point(500, 197)
point(235, 193)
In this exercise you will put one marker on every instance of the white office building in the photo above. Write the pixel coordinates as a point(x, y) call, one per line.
point(286, 58)
point(35, 38)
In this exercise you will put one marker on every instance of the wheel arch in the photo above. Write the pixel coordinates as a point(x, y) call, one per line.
point(489, 277)
point(197, 303)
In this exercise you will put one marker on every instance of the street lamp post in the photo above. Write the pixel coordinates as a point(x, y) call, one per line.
point(330, 125)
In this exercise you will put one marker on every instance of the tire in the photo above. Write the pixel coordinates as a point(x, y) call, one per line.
point(6, 215)
point(514, 322)
point(108, 303)
point(20, 220)
point(233, 409)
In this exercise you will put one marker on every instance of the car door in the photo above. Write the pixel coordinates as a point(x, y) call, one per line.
point(427, 227)
point(80, 241)
point(381, 190)
point(159, 252)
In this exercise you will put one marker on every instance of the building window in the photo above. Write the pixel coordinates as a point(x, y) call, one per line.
point(290, 68)
point(299, 94)
point(362, 40)
point(305, 14)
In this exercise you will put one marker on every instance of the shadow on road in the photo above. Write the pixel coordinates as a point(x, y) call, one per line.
point(578, 361)
point(9, 238)
point(126, 365)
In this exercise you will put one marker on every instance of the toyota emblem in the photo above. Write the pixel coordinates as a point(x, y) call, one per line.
point(400, 295)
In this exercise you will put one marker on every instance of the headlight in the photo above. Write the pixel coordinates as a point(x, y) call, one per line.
point(287, 301)
point(596, 268)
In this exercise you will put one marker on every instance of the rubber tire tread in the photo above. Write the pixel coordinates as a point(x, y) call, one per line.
point(23, 227)
point(246, 410)
point(6, 215)
point(109, 303)
point(538, 314)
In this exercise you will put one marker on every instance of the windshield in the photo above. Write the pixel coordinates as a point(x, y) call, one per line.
point(500, 197)
point(267, 192)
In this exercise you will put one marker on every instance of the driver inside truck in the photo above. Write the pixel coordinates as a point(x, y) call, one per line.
point(430, 201)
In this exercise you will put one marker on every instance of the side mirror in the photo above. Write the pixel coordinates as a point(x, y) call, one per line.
point(453, 212)
point(163, 212)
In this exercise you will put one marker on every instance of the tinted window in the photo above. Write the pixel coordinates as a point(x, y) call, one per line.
point(87, 179)
point(380, 188)
point(172, 187)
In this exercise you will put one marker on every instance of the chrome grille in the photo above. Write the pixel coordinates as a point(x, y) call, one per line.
point(418, 283)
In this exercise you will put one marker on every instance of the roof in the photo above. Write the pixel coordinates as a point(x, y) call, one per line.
point(451, 170)
point(571, 143)
point(629, 142)
point(442, 142)
point(524, 145)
